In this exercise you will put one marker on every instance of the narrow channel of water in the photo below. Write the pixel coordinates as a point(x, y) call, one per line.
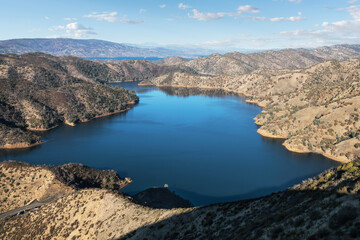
point(203, 144)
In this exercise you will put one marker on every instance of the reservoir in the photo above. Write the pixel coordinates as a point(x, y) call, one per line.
point(202, 143)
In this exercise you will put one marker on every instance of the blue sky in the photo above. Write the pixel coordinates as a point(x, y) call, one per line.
point(226, 25)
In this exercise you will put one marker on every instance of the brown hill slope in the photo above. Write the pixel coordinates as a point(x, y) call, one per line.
point(39, 92)
point(324, 207)
point(315, 109)
point(236, 63)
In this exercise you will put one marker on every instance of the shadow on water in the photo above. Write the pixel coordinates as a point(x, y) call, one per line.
point(201, 200)
point(255, 218)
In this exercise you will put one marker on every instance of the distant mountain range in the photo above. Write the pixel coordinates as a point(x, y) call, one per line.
point(236, 63)
point(89, 48)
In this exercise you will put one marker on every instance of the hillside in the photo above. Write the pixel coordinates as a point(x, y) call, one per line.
point(139, 70)
point(231, 64)
point(81, 48)
point(324, 207)
point(315, 109)
point(39, 92)
point(236, 63)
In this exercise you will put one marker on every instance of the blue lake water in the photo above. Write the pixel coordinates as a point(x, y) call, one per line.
point(203, 144)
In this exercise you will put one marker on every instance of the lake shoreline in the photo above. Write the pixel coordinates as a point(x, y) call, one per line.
point(262, 133)
point(25, 145)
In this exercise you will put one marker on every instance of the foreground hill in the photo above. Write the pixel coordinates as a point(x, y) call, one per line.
point(39, 92)
point(324, 207)
point(81, 48)
point(315, 109)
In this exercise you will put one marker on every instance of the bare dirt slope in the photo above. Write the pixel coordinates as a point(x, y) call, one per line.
point(324, 207)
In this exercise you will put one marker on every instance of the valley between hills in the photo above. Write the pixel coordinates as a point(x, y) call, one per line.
point(310, 98)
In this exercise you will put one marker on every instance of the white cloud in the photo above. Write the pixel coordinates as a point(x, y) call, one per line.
point(183, 6)
point(112, 17)
point(217, 15)
point(352, 1)
point(104, 16)
point(279, 19)
point(162, 6)
point(331, 33)
point(247, 9)
point(354, 11)
point(128, 21)
point(142, 11)
point(206, 16)
point(47, 18)
point(343, 26)
point(70, 19)
point(74, 29)
point(237, 43)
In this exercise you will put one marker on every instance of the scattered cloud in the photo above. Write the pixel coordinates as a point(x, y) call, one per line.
point(128, 21)
point(142, 11)
point(104, 16)
point(279, 19)
point(46, 18)
point(112, 17)
point(352, 1)
point(354, 11)
point(247, 9)
point(206, 16)
point(74, 29)
point(331, 33)
point(183, 6)
point(343, 26)
point(237, 43)
point(214, 16)
point(70, 19)
point(162, 6)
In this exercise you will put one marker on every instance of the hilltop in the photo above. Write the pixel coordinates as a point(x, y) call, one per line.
point(40, 91)
point(323, 207)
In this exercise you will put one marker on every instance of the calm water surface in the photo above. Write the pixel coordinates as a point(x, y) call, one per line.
point(204, 145)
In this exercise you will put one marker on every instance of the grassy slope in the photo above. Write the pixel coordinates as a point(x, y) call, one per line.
point(324, 207)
